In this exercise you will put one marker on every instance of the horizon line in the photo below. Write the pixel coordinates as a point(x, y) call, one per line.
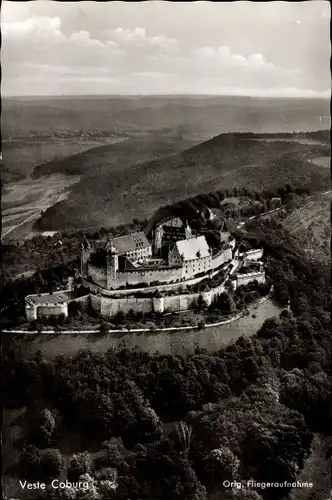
point(56, 96)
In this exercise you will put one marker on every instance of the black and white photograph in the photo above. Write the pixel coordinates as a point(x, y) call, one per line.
point(165, 250)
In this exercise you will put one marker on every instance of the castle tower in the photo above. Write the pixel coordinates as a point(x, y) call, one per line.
point(85, 254)
point(158, 238)
point(70, 283)
point(188, 231)
point(158, 302)
point(112, 267)
point(30, 310)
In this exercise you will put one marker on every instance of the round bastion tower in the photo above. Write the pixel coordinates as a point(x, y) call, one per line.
point(158, 238)
point(112, 267)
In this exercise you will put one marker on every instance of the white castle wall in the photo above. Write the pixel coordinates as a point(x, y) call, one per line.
point(109, 307)
point(147, 276)
point(99, 276)
point(244, 279)
point(31, 312)
point(253, 254)
point(221, 257)
point(171, 274)
point(35, 310)
point(52, 309)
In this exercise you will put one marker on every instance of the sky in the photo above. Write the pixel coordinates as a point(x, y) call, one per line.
point(277, 49)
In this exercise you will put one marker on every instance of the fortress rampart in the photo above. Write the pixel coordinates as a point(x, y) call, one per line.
point(168, 274)
point(56, 304)
point(109, 306)
point(244, 279)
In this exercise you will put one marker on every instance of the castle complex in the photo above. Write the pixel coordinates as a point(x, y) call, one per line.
point(116, 271)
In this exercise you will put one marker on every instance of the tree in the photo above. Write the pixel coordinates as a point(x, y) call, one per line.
point(183, 436)
point(120, 318)
point(244, 494)
point(115, 451)
point(89, 490)
point(220, 465)
point(104, 328)
point(29, 462)
point(51, 463)
point(80, 463)
point(107, 482)
point(46, 427)
point(54, 494)
point(226, 303)
point(201, 302)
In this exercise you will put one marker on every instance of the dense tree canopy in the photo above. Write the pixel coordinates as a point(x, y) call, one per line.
point(174, 427)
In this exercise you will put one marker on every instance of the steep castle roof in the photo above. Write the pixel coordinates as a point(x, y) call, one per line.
point(130, 242)
point(194, 248)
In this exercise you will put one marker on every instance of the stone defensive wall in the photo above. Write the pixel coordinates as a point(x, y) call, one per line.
point(96, 289)
point(110, 307)
point(148, 275)
point(244, 279)
point(135, 276)
point(47, 305)
point(252, 254)
point(221, 258)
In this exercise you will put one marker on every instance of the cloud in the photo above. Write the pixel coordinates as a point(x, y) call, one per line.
point(45, 29)
point(224, 57)
point(35, 28)
point(204, 48)
point(84, 39)
point(139, 36)
point(297, 93)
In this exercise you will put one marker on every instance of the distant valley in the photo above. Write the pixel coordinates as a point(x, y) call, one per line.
point(126, 157)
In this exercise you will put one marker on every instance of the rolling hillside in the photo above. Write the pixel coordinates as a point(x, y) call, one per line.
point(110, 196)
point(311, 226)
point(200, 116)
point(114, 157)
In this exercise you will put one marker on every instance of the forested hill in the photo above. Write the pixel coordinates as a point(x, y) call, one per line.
point(114, 157)
point(173, 427)
point(107, 195)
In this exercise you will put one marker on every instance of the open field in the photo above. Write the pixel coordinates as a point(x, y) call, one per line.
point(20, 156)
point(295, 139)
point(323, 161)
point(311, 225)
point(180, 342)
point(317, 469)
point(23, 201)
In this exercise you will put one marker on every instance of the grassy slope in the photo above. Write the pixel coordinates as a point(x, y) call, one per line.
point(317, 469)
point(311, 225)
point(21, 156)
point(108, 196)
